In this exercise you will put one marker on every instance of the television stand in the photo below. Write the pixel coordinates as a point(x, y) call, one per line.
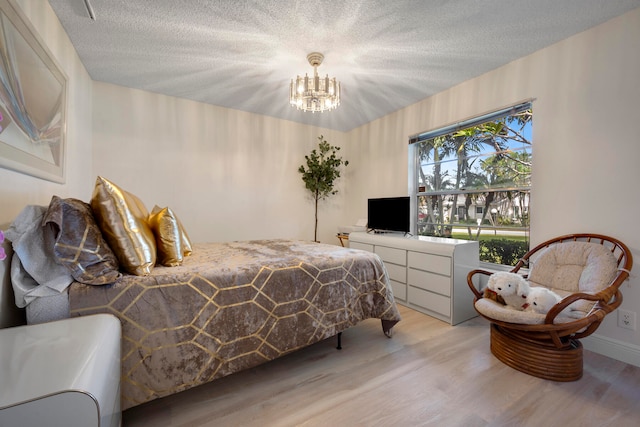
point(428, 274)
point(390, 232)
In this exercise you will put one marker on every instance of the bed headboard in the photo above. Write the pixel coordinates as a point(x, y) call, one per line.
point(10, 315)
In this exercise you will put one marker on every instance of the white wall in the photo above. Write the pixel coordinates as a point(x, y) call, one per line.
point(18, 190)
point(228, 174)
point(586, 144)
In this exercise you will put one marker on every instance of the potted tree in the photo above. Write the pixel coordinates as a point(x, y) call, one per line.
point(321, 172)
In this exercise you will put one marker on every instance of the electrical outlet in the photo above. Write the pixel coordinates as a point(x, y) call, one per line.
point(627, 319)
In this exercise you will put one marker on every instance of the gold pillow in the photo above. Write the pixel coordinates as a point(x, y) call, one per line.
point(168, 233)
point(187, 248)
point(122, 217)
point(172, 240)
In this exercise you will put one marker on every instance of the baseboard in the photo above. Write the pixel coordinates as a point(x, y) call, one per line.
point(614, 349)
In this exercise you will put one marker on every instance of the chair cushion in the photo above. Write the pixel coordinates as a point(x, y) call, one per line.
point(574, 267)
point(497, 311)
point(565, 268)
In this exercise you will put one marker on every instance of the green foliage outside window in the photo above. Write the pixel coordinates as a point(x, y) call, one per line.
point(502, 251)
point(474, 183)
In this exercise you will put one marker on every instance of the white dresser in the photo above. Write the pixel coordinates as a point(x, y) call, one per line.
point(64, 373)
point(428, 274)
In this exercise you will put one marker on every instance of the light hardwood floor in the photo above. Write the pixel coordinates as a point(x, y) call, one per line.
point(428, 374)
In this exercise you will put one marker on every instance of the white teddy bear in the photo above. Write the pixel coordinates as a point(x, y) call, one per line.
point(512, 287)
point(542, 299)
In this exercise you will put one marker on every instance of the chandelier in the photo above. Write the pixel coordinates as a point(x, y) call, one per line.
point(314, 94)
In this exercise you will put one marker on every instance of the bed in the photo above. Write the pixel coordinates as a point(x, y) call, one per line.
point(223, 308)
point(232, 306)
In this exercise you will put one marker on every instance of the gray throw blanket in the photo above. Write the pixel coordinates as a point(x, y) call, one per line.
point(34, 271)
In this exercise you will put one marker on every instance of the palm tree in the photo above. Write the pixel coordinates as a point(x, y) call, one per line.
point(465, 145)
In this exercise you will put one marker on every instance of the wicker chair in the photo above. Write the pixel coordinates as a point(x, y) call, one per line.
point(548, 346)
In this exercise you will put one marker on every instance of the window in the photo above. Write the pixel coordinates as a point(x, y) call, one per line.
point(472, 181)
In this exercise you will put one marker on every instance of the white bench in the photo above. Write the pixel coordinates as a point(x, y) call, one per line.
point(62, 373)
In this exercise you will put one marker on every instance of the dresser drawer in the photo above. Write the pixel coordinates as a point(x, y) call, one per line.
point(396, 256)
point(396, 272)
point(361, 246)
point(430, 301)
point(428, 262)
point(430, 282)
point(399, 290)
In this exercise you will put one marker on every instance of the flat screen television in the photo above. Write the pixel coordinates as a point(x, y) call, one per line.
point(389, 214)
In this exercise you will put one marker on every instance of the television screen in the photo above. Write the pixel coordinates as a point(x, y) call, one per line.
point(389, 214)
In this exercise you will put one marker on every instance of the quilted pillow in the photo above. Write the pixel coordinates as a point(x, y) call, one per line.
point(122, 217)
point(79, 244)
point(574, 267)
point(171, 239)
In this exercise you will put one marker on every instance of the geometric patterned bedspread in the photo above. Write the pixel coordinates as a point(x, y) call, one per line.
point(232, 306)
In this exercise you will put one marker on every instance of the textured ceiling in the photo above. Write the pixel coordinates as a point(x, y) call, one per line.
point(387, 54)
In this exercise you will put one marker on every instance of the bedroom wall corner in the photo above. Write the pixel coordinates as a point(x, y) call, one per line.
point(10, 315)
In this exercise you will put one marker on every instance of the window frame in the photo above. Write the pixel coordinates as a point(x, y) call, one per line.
point(417, 190)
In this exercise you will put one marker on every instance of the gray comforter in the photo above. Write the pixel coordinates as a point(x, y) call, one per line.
point(232, 306)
